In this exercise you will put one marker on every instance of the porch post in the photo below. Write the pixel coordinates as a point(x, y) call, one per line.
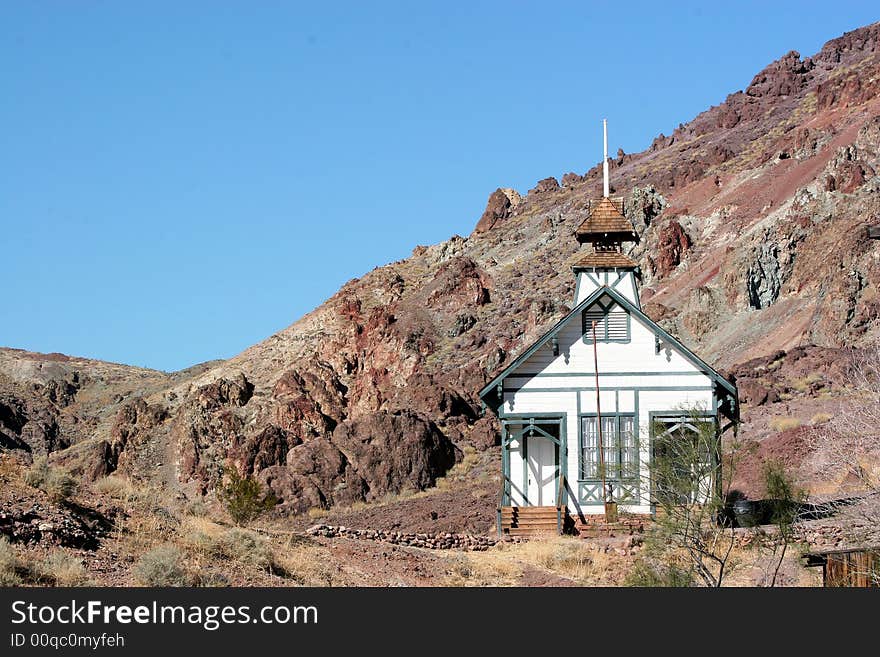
point(505, 466)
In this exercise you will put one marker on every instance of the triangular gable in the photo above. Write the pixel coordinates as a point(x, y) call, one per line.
point(634, 312)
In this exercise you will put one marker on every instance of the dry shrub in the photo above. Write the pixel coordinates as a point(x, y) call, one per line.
point(116, 487)
point(196, 508)
point(490, 568)
point(162, 566)
point(820, 418)
point(56, 483)
point(240, 545)
point(10, 468)
point(570, 557)
point(309, 564)
point(62, 569)
point(10, 566)
point(780, 424)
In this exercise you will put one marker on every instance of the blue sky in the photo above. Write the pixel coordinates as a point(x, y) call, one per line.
point(180, 180)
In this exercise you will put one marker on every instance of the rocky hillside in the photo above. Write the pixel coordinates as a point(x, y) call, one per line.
point(753, 221)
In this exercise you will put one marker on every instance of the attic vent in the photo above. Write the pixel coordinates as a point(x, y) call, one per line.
point(612, 323)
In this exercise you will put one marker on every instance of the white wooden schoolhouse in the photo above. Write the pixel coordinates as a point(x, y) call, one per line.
point(549, 409)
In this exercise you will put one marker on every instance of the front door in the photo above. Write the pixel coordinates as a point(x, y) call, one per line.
point(541, 471)
point(531, 451)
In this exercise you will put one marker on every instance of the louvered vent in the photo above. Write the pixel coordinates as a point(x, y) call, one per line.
point(594, 314)
point(617, 326)
point(612, 324)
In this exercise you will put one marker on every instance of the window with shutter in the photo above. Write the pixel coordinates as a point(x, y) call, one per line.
point(612, 322)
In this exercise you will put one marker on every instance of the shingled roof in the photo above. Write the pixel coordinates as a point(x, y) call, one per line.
point(605, 217)
point(602, 259)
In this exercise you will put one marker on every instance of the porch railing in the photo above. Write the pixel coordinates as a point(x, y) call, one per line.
point(561, 504)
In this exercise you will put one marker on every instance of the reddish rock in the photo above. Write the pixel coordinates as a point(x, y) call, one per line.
point(571, 179)
point(545, 186)
point(458, 283)
point(784, 77)
point(673, 245)
point(497, 209)
point(393, 451)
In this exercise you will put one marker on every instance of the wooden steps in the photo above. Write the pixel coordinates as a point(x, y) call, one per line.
point(531, 520)
point(537, 520)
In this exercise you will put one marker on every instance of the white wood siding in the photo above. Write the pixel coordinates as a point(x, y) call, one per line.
point(633, 378)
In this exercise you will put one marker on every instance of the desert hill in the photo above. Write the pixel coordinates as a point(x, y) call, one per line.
point(754, 249)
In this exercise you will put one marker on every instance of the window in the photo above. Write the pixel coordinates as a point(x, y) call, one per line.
point(620, 446)
point(612, 322)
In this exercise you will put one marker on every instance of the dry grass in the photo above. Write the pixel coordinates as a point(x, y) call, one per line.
point(10, 566)
point(309, 564)
point(55, 482)
point(163, 566)
point(820, 418)
point(804, 384)
point(62, 569)
point(574, 558)
point(780, 424)
point(116, 487)
point(228, 543)
point(564, 556)
point(491, 568)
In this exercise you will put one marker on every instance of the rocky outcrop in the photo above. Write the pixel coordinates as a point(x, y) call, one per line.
point(393, 451)
point(545, 186)
point(673, 244)
point(764, 278)
point(787, 76)
point(134, 423)
point(643, 206)
point(500, 206)
point(207, 427)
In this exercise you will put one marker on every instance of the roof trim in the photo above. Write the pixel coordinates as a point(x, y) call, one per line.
point(633, 310)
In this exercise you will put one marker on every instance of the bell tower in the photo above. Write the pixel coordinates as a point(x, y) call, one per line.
point(605, 230)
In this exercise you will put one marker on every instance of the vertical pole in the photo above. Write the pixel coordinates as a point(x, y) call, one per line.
point(599, 416)
point(605, 158)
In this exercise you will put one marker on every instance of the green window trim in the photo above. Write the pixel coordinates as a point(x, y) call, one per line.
point(623, 454)
point(613, 322)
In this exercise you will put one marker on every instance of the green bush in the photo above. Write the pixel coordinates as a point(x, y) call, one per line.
point(56, 483)
point(243, 497)
point(162, 566)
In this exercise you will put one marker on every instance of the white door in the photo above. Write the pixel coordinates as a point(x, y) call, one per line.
point(541, 471)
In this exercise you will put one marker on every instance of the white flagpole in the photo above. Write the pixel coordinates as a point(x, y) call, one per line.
point(605, 159)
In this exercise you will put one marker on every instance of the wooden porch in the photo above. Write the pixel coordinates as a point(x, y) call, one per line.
point(534, 520)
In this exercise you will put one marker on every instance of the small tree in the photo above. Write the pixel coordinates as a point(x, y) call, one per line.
point(784, 500)
point(693, 539)
point(243, 497)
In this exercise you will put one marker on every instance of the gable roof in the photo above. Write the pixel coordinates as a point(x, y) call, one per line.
point(605, 218)
point(635, 312)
